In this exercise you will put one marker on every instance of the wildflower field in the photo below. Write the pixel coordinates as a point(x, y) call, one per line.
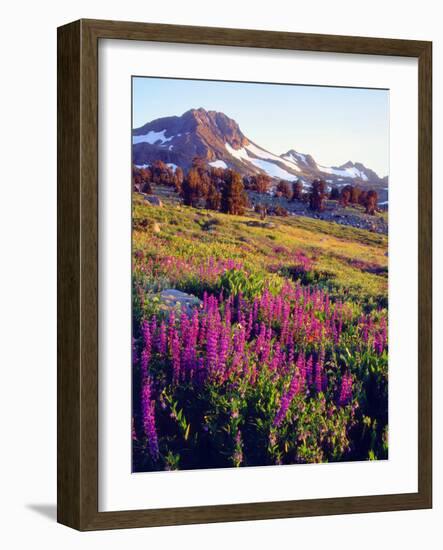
point(283, 356)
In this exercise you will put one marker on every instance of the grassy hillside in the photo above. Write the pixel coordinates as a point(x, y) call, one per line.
point(349, 260)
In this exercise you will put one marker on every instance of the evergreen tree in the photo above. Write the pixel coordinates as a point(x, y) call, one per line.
point(260, 183)
point(362, 198)
point(345, 195)
point(284, 188)
point(213, 198)
point(191, 188)
point(371, 202)
point(178, 179)
point(297, 191)
point(335, 194)
point(318, 195)
point(355, 194)
point(233, 199)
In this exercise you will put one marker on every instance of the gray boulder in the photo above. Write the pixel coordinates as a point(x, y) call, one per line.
point(152, 199)
point(172, 299)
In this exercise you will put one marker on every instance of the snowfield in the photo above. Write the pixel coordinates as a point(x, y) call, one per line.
point(272, 169)
point(265, 162)
point(295, 158)
point(344, 172)
point(240, 154)
point(266, 155)
point(218, 164)
point(152, 137)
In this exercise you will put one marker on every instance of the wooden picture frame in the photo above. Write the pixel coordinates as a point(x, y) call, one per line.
point(78, 274)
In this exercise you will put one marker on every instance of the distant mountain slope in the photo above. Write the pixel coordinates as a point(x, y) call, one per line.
point(218, 139)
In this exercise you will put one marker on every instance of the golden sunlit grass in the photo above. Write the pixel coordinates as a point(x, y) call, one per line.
point(342, 252)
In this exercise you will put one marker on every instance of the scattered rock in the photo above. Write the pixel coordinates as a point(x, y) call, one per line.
point(152, 199)
point(156, 227)
point(172, 299)
point(267, 225)
point(210, 224)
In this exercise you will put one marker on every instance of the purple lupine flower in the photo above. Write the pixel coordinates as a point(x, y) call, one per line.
point(380, 338)
point(301, 367)
point(147, 340)
point(308, 370)
point(277, 357)
point(255, 310)
point(277, 307)
point(191, 343)
point(148, 416)
point(153, 326)
point(162, 339)
point(184, 326)
point(260, 341)
point(144, 361)
point(319, 373)
point(202, 330)
point(223, 351)
point(171, 329)
point(295, 386)
point(200, 371)
point(175, 352)
point(188, 358)
point(281, 413)
point(285, 323)
point(211, 348)
point(240, 316)
point(286, 400)
point(249, 325)
point(238, 348)
point(228, 314)
point(267, 344)
point(145, 331)
point(378, 343)
point(345, 396)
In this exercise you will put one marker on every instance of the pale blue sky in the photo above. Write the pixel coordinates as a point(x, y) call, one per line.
point(334, 125)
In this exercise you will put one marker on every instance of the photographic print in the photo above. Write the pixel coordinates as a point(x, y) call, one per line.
point(259, 274)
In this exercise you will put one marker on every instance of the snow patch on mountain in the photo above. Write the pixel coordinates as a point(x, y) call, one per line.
point(218, 164)
point(265, 163)
point(266, 155)
point(295, 157)
point(240, 154)
point(272, 169)
point(152, 137)
point(351, 172)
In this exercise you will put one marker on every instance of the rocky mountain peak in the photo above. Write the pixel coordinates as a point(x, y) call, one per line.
point(217, 139)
